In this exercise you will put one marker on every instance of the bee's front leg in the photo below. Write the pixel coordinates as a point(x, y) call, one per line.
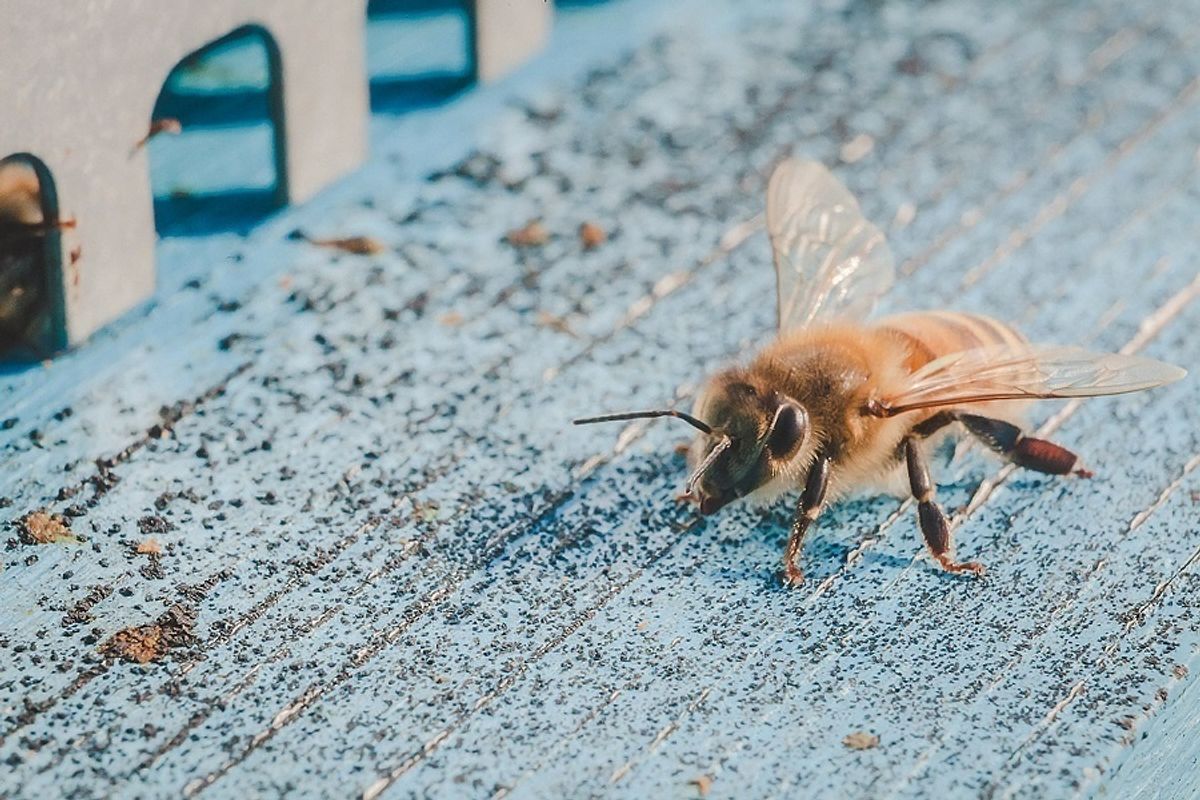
point(807, 512)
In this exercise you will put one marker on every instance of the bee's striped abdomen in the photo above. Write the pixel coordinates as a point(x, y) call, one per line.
point(932, 334)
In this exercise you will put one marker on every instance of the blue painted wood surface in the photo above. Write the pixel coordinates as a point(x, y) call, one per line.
point(411, 577)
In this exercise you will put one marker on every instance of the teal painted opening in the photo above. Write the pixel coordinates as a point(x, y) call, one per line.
point(224, 167)
point(420, 53)
point(32, 306)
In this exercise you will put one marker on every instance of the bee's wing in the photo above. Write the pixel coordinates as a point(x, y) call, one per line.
point(829, 260)
point(1026, 372)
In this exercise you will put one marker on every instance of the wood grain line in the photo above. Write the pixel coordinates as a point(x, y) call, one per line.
point(1137, 617)
point(105, 465)
point(976, 215)
point(386, 780)
point(1101, 58)
point(1057, 205)
point(1150, 327)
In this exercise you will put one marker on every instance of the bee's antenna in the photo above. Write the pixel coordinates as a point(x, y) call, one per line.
point(695, 477)
point(688, 418)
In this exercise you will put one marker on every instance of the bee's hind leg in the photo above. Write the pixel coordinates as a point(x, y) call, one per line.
point(1025, 451)
point(934, 525)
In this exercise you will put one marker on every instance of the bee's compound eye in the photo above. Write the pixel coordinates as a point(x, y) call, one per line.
point(787, 429)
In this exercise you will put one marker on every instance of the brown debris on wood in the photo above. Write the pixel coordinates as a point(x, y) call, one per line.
point(355, 245)
point(592, 235)
point(154, 523)
point(555, 323)
point(81, 612)
point(143, 644)
point(148, 547)
point(861, 740)
point(533, 234)
point(42, 527)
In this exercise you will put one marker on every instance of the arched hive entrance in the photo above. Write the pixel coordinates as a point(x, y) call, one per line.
point(31, 303)
point(224, 167)
point(419, 52)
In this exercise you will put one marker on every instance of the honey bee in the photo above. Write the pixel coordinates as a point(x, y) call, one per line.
point(838, 403)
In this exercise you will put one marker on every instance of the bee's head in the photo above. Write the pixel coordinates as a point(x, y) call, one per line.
point(756, 431)
point(747, 436)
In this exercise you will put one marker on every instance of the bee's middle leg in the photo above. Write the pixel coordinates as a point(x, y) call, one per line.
point(811, 501)
point(1025, 451)
point(934, 525)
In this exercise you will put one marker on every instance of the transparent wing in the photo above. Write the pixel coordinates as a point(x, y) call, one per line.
point(1030, 372)
point(829, 260)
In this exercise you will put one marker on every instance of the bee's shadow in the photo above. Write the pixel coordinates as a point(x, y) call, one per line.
point(750, 541)
point(746, 543)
